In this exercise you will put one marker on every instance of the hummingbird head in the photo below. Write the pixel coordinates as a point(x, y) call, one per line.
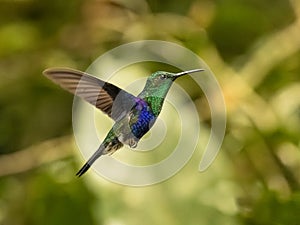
point(159, 83)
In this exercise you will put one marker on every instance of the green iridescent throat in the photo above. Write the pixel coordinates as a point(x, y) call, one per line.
point(155, 103)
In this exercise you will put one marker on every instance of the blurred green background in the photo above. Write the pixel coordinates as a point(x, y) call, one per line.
point(252, 46)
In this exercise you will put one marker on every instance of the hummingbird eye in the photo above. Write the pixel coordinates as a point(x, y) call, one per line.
point(163, 76)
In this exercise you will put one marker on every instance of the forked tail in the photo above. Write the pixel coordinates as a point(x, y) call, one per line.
point(109, 146)
point(91, 160)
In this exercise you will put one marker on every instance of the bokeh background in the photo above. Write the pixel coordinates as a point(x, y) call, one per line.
point(253, 48)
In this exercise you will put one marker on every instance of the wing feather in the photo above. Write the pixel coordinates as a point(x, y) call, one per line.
point(107, 97)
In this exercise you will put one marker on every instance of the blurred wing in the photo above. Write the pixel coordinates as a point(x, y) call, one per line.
point(107, 97)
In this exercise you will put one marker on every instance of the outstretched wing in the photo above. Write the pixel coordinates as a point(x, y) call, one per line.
point(112, 100)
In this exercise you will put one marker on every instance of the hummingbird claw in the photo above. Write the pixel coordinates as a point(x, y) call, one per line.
point(132, 143)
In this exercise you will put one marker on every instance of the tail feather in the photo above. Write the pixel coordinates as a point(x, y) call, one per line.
point(91, 160)
point(83, 170)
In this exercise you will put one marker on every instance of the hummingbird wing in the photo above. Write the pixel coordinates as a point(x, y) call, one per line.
point(112, 100)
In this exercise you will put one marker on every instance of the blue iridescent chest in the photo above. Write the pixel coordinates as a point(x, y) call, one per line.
point(143, 119)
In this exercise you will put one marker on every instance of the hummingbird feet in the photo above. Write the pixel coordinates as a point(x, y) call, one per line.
point(128, 140)
point(132, 143)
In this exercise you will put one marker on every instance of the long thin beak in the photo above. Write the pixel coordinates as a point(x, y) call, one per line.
point(187, 72)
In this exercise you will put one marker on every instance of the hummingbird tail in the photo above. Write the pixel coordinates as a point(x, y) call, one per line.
point(91, 160)
point(83, 170)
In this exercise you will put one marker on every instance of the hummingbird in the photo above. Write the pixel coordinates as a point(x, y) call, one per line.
point(133, 115)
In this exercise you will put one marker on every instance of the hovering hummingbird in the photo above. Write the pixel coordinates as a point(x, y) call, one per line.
point(133, 115)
